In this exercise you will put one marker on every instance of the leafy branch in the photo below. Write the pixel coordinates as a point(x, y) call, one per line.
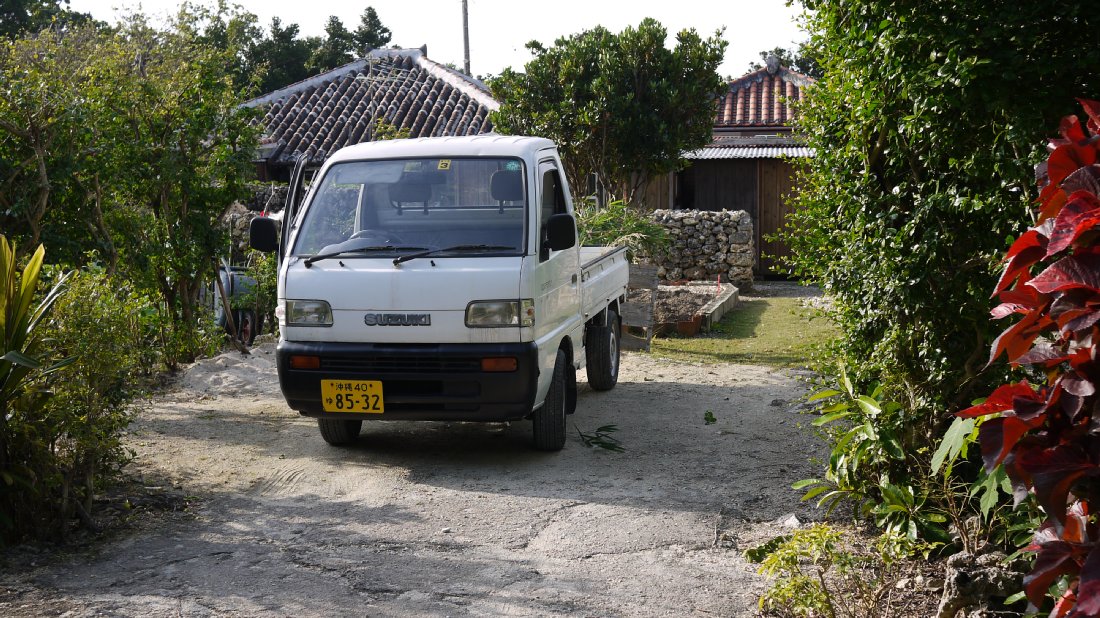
point(601, 438)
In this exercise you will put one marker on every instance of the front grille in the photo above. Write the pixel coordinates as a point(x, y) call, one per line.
point(401, 364)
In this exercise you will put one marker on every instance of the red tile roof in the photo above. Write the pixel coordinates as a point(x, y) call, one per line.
point(761, 99)
point(403, 87)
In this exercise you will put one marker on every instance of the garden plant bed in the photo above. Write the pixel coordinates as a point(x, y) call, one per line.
point(687, 308)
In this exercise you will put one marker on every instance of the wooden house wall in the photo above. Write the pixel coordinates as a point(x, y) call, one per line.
point(776, 193)
point(716, 185)
point(761, 187)
point(659, 193)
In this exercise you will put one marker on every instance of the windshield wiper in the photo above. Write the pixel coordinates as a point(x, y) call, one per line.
point(324, 256)
point(427, 252)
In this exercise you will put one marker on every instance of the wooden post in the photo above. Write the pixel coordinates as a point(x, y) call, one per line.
point(638, 315)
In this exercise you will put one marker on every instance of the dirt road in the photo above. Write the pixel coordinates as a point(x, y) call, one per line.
point(421, 519)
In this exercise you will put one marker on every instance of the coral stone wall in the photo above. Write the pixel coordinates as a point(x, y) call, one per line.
point(707, 244)
point(264, 197)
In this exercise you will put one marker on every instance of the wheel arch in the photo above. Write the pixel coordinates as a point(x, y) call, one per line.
point(600, 319)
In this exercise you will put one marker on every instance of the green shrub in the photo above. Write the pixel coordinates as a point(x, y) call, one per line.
point(264, 267)
point(869, 465)
point(99, 324)
point(925, 131)
point(63, 431)
point(619, 224)
point(174, 342)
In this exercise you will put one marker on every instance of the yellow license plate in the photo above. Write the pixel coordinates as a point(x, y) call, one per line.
point(362, 396)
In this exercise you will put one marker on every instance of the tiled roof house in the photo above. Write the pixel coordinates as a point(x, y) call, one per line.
point(753, 117)
point(402, 87)
point(747, 165)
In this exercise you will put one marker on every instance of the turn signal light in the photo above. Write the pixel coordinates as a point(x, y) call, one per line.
point(499, 365)
point(305, 362)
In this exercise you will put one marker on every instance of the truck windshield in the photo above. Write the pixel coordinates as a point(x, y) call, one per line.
point(417, 205)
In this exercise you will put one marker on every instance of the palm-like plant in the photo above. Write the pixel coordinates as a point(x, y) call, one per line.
point(22, 361)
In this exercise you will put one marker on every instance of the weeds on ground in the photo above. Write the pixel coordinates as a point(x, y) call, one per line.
point(817, 571)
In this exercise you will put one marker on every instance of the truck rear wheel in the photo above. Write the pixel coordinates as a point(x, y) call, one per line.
point(601, 349)
point(548, 422)
point(338, 431)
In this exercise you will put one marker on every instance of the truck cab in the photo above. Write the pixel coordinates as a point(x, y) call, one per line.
point(439, 279)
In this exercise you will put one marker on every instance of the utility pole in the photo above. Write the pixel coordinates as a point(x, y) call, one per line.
point(466, 34)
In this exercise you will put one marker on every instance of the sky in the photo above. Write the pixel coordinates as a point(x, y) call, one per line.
point(499, 29)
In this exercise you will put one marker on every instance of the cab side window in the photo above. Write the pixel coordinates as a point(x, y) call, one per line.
point(553, 203)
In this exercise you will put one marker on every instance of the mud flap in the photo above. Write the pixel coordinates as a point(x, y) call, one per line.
point(571, 390)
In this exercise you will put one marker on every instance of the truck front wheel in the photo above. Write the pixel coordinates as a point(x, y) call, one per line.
point(548, 422)
point(338, 431)
point(601, 349)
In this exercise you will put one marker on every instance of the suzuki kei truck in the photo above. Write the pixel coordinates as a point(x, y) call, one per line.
point(441, 279)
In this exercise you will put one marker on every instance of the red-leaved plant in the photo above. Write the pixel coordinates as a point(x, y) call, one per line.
point(1048, 436)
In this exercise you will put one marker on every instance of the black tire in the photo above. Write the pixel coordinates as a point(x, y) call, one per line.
point(338, 431)
point(548, 422)
point(247, 327)
point(601, 349)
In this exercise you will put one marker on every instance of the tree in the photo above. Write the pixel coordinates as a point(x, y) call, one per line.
point(187, 159)
point(370, 34)
point(621, 106)
point(283, 56)
point(232, 30)
point(798, 60)
point(21, 16)
point(335, 49)
point(46, 132)
point(130, 145)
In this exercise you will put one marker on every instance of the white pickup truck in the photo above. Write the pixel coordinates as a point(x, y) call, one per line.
point(441, 279)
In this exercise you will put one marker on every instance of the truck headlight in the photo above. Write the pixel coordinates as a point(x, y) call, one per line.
point(499, 313)
point(308, 313)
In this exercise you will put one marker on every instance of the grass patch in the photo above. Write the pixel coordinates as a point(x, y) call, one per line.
point(778, 332)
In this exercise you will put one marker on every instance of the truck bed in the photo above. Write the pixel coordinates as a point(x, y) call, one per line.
point(604, 277)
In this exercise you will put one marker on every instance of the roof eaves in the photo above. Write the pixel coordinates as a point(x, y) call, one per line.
point(749, 152)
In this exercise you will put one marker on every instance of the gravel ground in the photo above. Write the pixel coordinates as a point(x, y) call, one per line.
point(442, 519)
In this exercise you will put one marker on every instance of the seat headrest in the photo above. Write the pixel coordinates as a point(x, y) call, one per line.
point(506, 186)
point(410, 192)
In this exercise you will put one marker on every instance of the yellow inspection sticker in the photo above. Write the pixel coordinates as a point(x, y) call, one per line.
point(361, 396)
point(444, 164)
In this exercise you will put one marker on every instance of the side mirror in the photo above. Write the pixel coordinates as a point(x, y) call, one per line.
point(561, 231)
point(263, 235)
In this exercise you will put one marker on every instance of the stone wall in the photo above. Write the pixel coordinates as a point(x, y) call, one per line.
point(707, 244)
point(269, 196)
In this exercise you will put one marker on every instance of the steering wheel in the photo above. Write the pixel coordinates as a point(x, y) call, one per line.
point(380, 235)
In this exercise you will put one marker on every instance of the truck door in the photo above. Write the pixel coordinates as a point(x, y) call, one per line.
point(557, 272)
point(304, 170)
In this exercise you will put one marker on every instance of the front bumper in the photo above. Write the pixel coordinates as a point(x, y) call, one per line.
point(440, 382)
